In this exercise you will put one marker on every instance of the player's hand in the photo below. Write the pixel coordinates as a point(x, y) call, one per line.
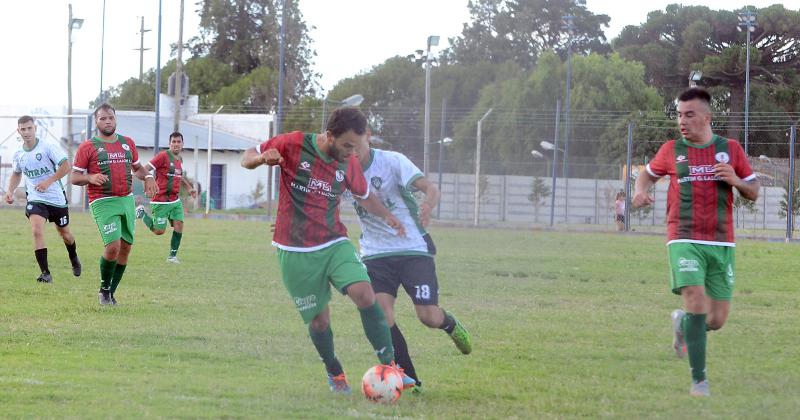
point(396, 224)
point(150, 187)
point(642, 199)
point(9, 197)
point(425, 211)
point(193, 193)
point(98, 179)
point(43, 186)
point(725, 172)
point(271, 157)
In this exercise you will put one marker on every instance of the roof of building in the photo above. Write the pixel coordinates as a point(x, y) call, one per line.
point(140, 126)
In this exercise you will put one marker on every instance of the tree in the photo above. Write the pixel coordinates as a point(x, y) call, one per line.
point(244, 34)
point(539, 192)
point(782, 204)
point(680, 39)
point(521, 30)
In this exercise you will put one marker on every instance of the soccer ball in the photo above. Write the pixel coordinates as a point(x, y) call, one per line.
point(382, 384)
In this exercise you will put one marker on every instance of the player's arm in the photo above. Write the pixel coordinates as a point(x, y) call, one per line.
point(373, 205)
point(13, 183)
point(253, 159)
point(81, 178)
point(748, 189)
point(141, 172)
point(63, 170)
point(641, 194)
point(431, 200)
point(189, 187)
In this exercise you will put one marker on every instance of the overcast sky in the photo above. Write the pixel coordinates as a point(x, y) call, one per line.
point(34, 34)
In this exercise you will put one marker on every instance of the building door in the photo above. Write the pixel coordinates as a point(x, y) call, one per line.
point(217, 186)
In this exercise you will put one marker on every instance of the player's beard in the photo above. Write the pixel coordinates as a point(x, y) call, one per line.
point(108, 131)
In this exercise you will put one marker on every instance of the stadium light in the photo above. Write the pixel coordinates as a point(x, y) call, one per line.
point(352, 100)
point(747, 19)
point(537, 154)
point(546, 145)
point(72, 24)
point(433, 40)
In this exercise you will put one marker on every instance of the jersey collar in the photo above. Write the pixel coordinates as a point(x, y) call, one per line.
point(107, 141)
point(714, 139)
point(320, 153)
point(371, 159)
point(34, 145)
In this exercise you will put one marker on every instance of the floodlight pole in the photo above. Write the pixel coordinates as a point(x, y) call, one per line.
point(432, 40)
point(570, 27)
point(158, 84)
point(628, 160)
point(555, 163)
point(478, 168)
point(747, 19)
point(790, 186)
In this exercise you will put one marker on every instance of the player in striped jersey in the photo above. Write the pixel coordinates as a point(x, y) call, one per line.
point(314, 251)
point(106, 164)
point(43, 164)
point(166, 206)
point(703, 169)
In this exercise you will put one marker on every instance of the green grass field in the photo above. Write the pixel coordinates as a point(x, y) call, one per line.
point(564, 326)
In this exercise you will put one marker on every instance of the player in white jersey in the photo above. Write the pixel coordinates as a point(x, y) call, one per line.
point(43, 164)
point(392, 260)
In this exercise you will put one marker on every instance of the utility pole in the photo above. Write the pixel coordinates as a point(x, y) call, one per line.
point(179, 76)
point(141, 50)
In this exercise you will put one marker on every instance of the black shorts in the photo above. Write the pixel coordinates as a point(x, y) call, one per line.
point(57, 215)
point(416, 273)
point(621, 218)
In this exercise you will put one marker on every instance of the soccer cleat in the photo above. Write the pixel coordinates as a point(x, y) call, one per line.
point(139, 211)
point(678, 344)
point(700, 389)
point(416, 389)
point(339, 384)
point(76, 267)
point(408, 382)
point(173, 260)
point(45, 278)
point(104, 295)
point(461, 337)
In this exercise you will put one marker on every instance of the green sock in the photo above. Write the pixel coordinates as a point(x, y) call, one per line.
point(377, 331)
point(175, 243)
point(120, 269)
point(323, 341)
point(106, 272)
point(694, 332)
point(148, 221)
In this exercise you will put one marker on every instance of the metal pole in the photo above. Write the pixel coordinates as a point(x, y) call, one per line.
point(102, 50)
point(158, 84)
point(478, 168)
point(628, 161)
point(427, 134)
point(196, 171)
point(568, 122)
point(208, 160)
point(441, 151)
point(281, 69)
point(322, 129)
point(69, 97)
point(178, 76)
point(790, 186)
point(747, 90)
point(555, 164)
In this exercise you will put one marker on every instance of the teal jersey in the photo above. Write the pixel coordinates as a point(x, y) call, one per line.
point(38, 164)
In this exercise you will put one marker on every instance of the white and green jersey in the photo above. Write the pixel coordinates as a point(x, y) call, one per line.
point(38, 164)
point(390, 176)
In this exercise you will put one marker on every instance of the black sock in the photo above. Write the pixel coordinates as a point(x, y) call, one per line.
point(41, 258)
point(401, 356)
point(73, 255)
point(448, 324)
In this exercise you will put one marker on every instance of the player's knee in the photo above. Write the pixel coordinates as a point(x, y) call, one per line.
point(159, 231)
point(715, 324)
point(320, 324)
point(361, 293)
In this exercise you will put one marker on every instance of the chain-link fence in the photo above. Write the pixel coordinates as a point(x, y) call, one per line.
point(537, 169)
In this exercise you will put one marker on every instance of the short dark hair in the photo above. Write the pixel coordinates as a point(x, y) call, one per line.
point(695, 93)
point(176, 134)
point(24, 119)
point(104, 107)
point(345, 119)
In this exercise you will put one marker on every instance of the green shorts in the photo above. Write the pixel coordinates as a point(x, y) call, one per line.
point(115, 218)
point(711, 266)
point(162, 213)
point(308, 276)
